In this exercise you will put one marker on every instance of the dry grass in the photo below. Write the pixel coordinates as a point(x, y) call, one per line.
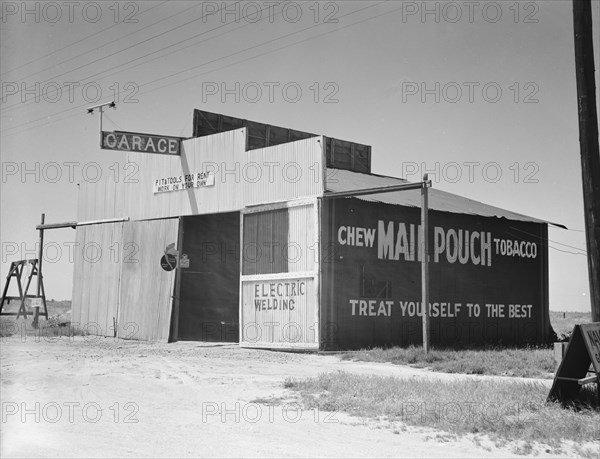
point(531, 362)
point(503, 410)
point(563, 322)
point(58, 323)
point(527, 362)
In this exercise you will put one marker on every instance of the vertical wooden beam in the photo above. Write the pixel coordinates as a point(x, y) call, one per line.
point(101, 110)
point(425, 261)
point(176, 297)
point(588, 141)
point(40, 256)
point(546, 326)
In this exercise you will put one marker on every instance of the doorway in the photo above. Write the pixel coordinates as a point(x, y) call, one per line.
point(209, 289)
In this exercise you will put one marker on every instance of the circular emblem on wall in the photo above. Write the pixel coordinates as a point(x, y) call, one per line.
point(168, 261)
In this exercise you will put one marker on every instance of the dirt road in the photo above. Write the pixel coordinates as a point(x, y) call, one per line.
point(99, 397)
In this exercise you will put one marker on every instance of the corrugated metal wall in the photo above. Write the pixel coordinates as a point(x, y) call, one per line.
point(284, 172)
point(340, 153)
point(479, 294)
point(134, 196)
point(280, 312)
point(279, 284)
point(118, 279)
point(279, 173)
point(242, 178)
point(146, 289)
point(97, 271)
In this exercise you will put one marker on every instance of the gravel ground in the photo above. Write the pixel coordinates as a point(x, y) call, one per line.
point(101, 397)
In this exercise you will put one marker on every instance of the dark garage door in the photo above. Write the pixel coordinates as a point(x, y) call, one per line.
point(209, 291)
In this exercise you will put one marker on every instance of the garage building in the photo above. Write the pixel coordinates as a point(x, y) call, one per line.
point(231, 238)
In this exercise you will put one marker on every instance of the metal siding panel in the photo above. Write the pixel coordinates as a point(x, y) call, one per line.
point(250, 235)
point(96, 279)
point(297, 173)
point(343, 180)
point(146, 289)
point(266, 240)
point(110, 196)
point(136, 200)
point(119, 208)
point(265, 243)
point(301, 242)
point(501, 280)
point(77, 303)
point(284, 172)
point(279, 241)
point(261, 324)
point(280, 328)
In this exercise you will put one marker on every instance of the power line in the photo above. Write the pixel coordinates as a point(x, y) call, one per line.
point(549, 240)
point(226, 66)
point(174, 44)
point(214, 60)
point(567, 251)
point(118, 52)
point(74, 43)
point(271, 41)
point(111, 121)
point(17, 105)
point(105, 44)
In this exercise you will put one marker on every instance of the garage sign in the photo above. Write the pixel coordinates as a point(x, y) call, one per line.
point(143, 143)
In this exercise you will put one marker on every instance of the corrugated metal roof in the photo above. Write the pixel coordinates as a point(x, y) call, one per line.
point(343, 180)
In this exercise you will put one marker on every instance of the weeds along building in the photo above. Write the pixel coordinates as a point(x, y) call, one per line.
point(229, 236)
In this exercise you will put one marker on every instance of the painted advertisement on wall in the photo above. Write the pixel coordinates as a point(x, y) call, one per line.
point(488, 277)
point(279, 311)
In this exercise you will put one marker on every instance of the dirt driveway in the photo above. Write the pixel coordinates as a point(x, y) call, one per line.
point(100, 397)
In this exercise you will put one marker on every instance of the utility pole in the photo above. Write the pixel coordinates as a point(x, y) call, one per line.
point(425, 260)
point(100, 108)
point(588, 141)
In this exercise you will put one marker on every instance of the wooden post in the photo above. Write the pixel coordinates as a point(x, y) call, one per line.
point(36, 317)
point(40, 255)
point(425, 261)
point(588, 141)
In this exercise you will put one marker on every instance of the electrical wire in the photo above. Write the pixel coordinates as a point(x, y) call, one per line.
point(103, 45)
point(549, 240)
point(114, 54)
point(223, 57)
point(16, 106)
point(74, 43)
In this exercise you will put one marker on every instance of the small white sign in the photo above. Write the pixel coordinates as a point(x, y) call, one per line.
point(183, 182)
point(36, 302)
point(184, 261)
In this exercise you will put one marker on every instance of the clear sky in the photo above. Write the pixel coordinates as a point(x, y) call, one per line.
point(481, 95)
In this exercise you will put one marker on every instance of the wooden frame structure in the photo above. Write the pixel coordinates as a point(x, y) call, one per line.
point(16, 270)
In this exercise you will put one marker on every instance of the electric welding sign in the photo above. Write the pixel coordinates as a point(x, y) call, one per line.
point(143, 143)
point(583, 350)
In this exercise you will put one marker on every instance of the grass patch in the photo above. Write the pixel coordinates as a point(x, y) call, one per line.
point(58, 323)
point(524, 362)
point(504, 410)
point(531, 362)
point(563, 322)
